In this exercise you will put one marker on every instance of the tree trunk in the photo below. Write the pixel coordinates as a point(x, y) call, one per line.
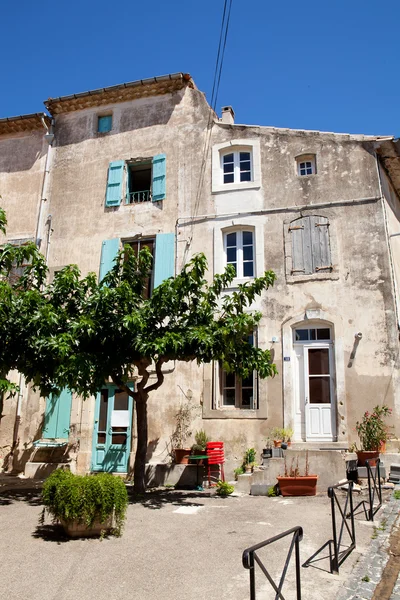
point(139, 483)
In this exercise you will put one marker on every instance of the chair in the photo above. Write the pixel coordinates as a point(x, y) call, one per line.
point(215, 453)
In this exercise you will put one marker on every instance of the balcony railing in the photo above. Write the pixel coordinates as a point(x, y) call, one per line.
point(138, 197)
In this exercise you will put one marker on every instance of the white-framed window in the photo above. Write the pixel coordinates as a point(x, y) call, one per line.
point(306, 165)
point(239, 252)
point(239, 392)
point(236, 166)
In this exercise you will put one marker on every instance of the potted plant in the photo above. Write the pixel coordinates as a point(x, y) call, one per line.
point(200, 445)
point(267, 450)
point(277, 436)
point(182, 432)
point(85, 505)
point(293, 483)
point(249, 460)
point(373, 433)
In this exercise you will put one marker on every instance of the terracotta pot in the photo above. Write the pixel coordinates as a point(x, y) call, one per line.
point(277, 443)
point(182, 456)
point(363, 455)
point(298, 486)
point(76, 530)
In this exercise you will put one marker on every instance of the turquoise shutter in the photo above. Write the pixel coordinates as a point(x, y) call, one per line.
point(114, 183)
point(164, 266)
point(109, 251)
point(159, 177)
point(57, 416)
point(50, 418)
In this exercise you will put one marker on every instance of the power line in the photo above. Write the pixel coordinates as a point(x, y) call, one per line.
point(213, 102)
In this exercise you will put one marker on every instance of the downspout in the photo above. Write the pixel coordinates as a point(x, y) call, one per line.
point(49, 137)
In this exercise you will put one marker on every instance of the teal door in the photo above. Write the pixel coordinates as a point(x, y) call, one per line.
point(112, 430)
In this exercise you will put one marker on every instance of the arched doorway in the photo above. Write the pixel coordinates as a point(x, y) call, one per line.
point(314, 378)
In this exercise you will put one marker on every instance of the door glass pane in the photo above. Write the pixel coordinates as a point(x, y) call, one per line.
point(118, 435)
point(323, 334)
point(320, 390)
point(121, 400)
point(103, 410)
point(318, 361)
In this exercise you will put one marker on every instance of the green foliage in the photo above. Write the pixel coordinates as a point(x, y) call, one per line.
point(249, 456)
point(201, 438)
point(238, 471)
point(224, 489)
point(85, 498)
point(372, 430)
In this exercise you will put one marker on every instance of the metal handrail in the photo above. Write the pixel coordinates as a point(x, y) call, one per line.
point(250, 557)
point(374, 489)
point(336, 555)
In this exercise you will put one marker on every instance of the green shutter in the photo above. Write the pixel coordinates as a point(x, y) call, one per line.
point(164, 263)
point(57, 416)
point(109, 251)
point(114, 183)
point(159, 177)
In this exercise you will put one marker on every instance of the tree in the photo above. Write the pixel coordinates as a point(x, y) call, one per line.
point(78, 333)
point(22, 274)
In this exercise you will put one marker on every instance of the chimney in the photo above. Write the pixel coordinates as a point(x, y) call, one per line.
point(228, 116)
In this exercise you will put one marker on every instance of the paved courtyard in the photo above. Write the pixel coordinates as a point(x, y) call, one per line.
point(175, 545)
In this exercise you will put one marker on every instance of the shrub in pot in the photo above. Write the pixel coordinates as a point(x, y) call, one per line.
point(85, 504)
point(373, 433)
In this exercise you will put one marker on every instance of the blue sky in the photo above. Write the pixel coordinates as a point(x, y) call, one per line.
point(332, 66)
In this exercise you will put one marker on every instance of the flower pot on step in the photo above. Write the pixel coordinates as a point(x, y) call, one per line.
point(370, 455)
point(298, 486)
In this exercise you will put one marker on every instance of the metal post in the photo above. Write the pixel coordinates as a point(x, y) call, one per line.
point(252, 577)
point(335, 561)
point(298, 582)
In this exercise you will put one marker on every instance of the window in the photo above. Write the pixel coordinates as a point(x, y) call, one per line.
point(310, 245)
point(138, 245)
point(139, 182)
point(239, 250)
point(104, 124)
point(306, 165)
point(312, 334)
point(239, 392)
point(236, 167)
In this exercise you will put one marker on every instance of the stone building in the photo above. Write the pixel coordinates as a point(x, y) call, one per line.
point(148, 163)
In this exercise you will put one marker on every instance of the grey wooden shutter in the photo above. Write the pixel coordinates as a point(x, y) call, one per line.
point(321, 252)
point(301, 246)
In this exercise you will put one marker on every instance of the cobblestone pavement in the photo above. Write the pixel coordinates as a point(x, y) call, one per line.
point(367, 573)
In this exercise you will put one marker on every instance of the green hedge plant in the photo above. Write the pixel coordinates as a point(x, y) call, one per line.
point(85, 498)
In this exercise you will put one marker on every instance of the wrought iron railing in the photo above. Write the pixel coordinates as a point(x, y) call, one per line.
point(374, 502)
point(338, 552)
point(138, 197)
point(251, 558)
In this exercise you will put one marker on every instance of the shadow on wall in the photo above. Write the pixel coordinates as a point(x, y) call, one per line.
point(27, 152)
point(156, 111)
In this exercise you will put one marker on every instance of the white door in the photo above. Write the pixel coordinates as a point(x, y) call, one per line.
point(318, 392)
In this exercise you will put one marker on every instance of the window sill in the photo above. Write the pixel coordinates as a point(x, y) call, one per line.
point(312, 277)
point(235, 187)
point(234, 413)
